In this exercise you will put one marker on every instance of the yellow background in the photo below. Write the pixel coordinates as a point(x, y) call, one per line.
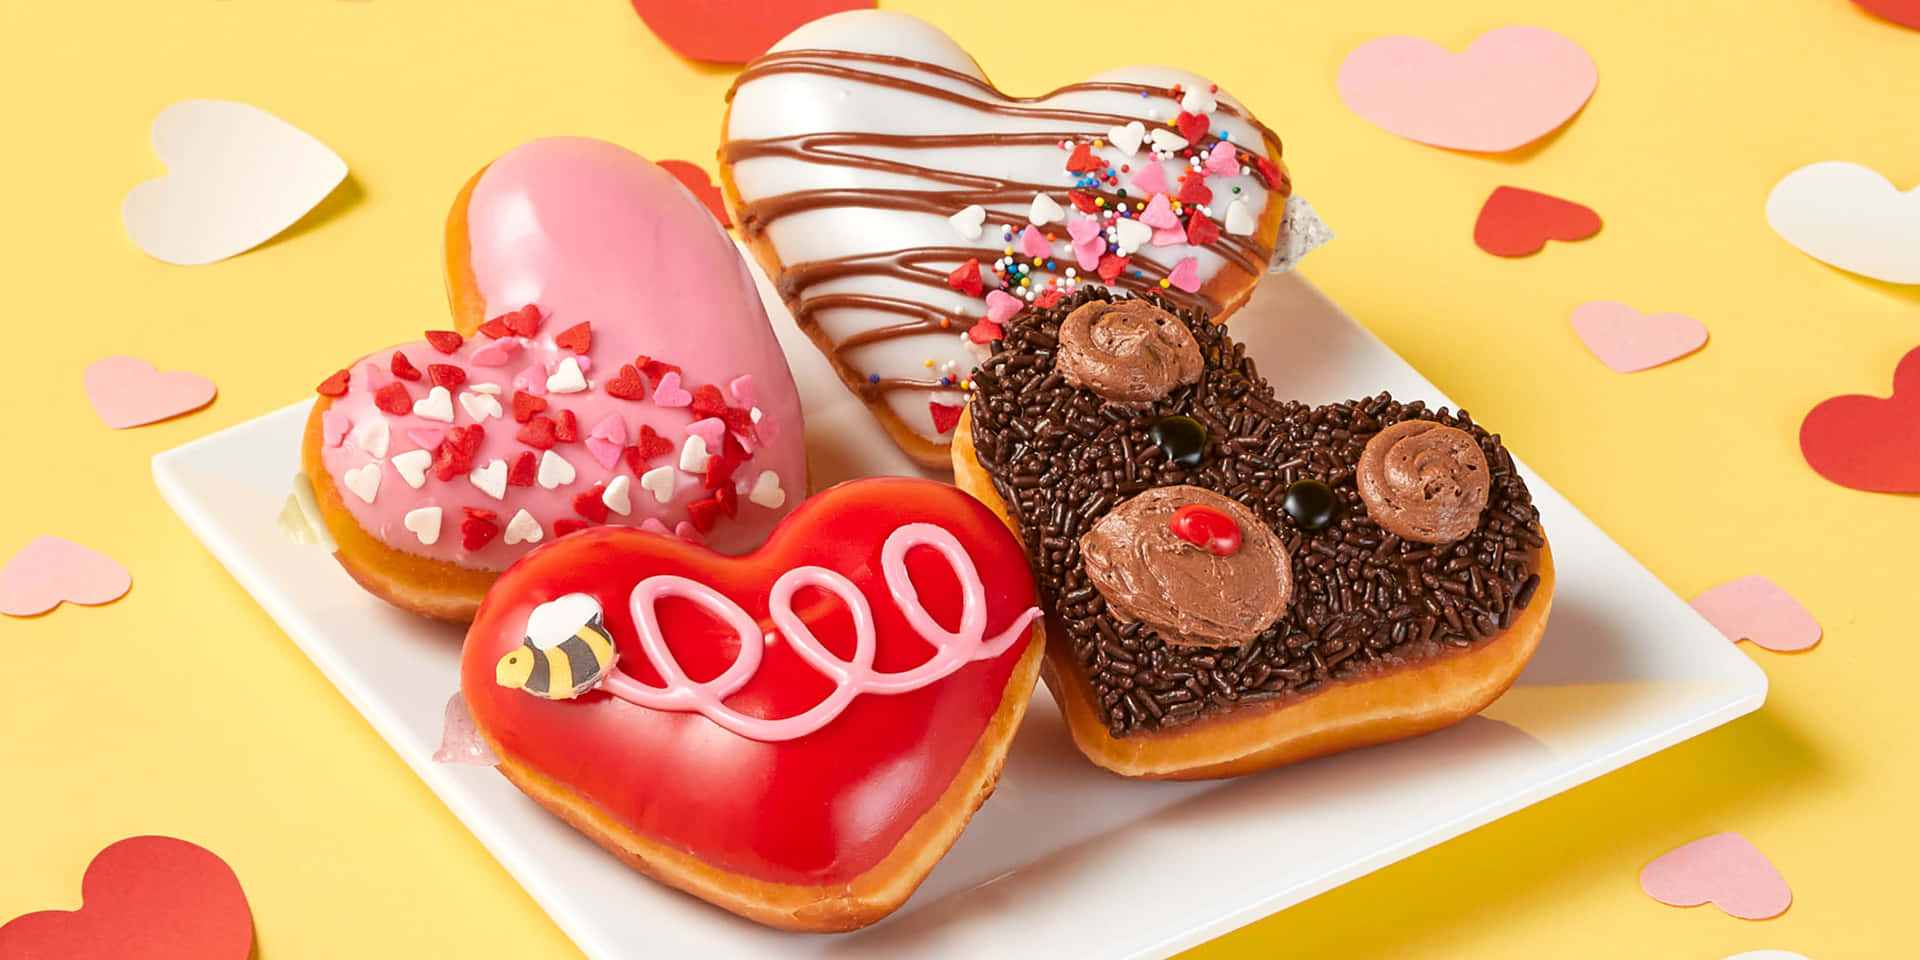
point(183, 710)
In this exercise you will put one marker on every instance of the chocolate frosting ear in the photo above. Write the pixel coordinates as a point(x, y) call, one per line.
point(1181, 589)
point(1424, 481)
point(1127, 350)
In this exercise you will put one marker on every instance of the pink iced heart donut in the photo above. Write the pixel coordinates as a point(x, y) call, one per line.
point(610, 363)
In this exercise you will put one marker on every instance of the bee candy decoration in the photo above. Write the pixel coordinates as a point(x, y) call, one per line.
point(1234, 581)
point(797, 734)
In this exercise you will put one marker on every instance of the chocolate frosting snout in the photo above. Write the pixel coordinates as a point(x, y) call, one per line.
point(1182, 590)
point(1424, 481)
point(1127, 350)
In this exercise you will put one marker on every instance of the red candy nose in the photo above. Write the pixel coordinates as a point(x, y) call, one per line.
point(1204, 526)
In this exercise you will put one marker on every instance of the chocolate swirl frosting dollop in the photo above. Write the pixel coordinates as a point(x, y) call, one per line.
point(1181, 590)
point(1424, 481)
point(1127, 350)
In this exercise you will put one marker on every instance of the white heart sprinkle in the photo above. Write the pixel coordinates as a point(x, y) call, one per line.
point(424, 522)
point(523, 528)
point(1128, 138)
point(412, 466)
point(1131, 235)
point(617, 497)
point(1239, 220)
point(1164, 139)
point(969, 221)
point(491, 479)
point(1198, 100)
point(480, 406)
point(555, 471)
point(567, 378)
point(659, 482)
point(693, 456)
point(364, 481)
point(766, 490)
point(372, 437)
point(436, 405)
point(486, 388)
point(1045, 211)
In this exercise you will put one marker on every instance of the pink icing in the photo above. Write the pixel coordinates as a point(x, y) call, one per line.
point(851, 677)
point(590, 233)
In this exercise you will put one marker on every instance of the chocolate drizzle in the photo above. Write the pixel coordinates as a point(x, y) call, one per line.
point(1364, 601)
point(856, 149)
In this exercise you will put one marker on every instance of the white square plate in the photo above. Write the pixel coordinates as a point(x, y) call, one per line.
point(1626, 668)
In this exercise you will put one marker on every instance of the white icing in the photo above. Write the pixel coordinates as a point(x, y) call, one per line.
point(788, 104)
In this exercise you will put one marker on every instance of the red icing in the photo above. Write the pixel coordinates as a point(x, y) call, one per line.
point(538, 433)
point(445, 375)
point(394, 398)
point(627, 384)
point(816, 810)
point(445, 341)
point(578, 338)
point(524, 469)
point(402, 367)
point(966, 278)
point(1201, 230)
point(945, 415)
point(1204, 526)
point(1192, 126)
point(335, 385)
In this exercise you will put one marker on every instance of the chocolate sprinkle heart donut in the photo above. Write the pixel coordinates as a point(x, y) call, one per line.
point(1187, 652)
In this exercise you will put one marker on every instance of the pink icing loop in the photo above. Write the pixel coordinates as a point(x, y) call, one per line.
point(681, 692)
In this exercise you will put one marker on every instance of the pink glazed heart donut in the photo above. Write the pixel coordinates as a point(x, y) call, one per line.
point(610, 363)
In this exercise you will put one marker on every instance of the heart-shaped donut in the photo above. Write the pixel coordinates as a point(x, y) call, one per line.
point(796, 735)
point(906, 207)
point(1234, 581)
point(610, 362)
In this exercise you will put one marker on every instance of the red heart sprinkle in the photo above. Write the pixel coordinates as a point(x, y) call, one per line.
point(983, 332)
point(627, 385)
point(729, 500)
point(966, 278)
point(1083, 160)
point(1201, 230)
point(457, 451)
point(538, 433)
point(578, 338)
point(525, 405)
point(523, 470)
point(650, 445)
point(739, 421)
point(565, 428)
point(587, 503)
point(704, 514)
point(524, 321)
point(445, 341)
point(334, 386)
point(496, 328)
point(477, 531)
point(655, 369)
point(394, 399)
point(1083, 201)
point(566, 525)
point(1110, 266)
point(402, 367)
point(1194, 190)
point(1048, 298)
point(1193, 126)
point(719, 471)
point(445, 375)
point(708, 402)
point(1270, 172)
point(945, 415)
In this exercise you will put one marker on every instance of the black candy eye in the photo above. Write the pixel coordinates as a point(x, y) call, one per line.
point(1182, 439)
point(1310, 503)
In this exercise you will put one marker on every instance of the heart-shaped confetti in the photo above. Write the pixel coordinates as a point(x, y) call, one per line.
point(1903, 12)
point(1869, 443)
point(128, 391)
point(236, 176)
point(698, 183)
point(1851, 217)
point(1516, 222)
point(144, 898)
point(1628, 340)
point(1512, 86)
point(50, 571)
point(1725, 870)
point(1754, 608)
point(732, 31)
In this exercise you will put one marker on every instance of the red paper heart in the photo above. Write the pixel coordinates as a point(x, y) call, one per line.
point(1869, 443)
point(697, 182)
point(816, 810)
point(732, 31)
point(1516, 222)
point(145, 898)
point(1903, 12)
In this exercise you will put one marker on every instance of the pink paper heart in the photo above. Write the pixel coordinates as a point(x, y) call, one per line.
point(51, 570)
point(1512, 86)
point(1725, 870)
point(1755, 608)
point(128, 391)
point(1627, 340)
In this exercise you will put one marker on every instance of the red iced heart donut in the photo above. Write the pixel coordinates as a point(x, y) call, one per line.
point(760, 782)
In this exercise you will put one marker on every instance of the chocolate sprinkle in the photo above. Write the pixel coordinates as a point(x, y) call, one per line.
point(1364, 602)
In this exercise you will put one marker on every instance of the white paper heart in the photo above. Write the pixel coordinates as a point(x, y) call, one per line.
point(236, 176)
point(1851, 217)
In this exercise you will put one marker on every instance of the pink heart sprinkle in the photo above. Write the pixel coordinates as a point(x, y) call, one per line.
point(1725, 870)
point(427, 438)
point(128, 391)
point(711, 430)
point(1088, 253)
point(495, 354)
point(460, 740)
point(687, 531)
point(1627, 340)
point(1223, 160)
point(1083, 230)
point(1033, 243)
point(51, 570)
point(1172, 236)
point(1755, 608)
point(1159, 213)
point(742, 390)
point(1001, 306)
point(607, 440)
point(669, 393)
point(1150, 179)
point(374, 376)
point(532, 381)
point(334, 426)
point(653, 525)
point(1185, 274)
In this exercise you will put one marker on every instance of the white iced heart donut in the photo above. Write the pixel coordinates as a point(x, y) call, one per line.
point(906, 207)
